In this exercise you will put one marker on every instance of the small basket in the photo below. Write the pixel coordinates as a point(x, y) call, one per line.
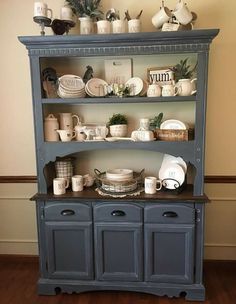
point(174, 135)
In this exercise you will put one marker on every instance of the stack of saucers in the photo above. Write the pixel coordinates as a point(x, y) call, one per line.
point(96, 87)
point(71, 86)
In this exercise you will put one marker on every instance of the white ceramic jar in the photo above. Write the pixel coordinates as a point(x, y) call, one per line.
point(51, 126)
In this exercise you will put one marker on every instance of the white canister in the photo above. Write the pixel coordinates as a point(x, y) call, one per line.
point(118, 26)
point(66, 13)
point(134, 26)
point(86, 26)
point(51, 126)
point(103, 27)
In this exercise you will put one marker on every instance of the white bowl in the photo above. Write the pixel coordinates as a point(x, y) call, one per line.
point(119, 174)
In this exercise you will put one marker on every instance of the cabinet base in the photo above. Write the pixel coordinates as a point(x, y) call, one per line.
point(193, 292)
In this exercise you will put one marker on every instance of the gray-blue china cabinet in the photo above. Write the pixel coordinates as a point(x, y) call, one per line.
point(146, 243)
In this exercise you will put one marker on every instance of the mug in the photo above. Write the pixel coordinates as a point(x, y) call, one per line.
point(88, 180)
point(169, 90)
point(103, 27)
point(66, 13)
point(41, 10)
point(150, 185)
point(66, 135)
point(101, 131)
point(60, 185)
point(118, 26)
point(168, 27)
point(66, 121)
point(161, 17)
point(154, 90)
point(134, 26)
point(182, 13)
point(77, 183)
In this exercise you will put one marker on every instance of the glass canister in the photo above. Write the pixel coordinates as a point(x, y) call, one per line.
point(50, 126)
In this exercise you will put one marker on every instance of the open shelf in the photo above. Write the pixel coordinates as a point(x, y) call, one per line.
point(118, 100)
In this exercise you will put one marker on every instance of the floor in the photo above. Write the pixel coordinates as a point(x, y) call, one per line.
point(19, 277)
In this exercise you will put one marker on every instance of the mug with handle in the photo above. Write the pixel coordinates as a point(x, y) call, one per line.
point(60, 184)
point(150, 185)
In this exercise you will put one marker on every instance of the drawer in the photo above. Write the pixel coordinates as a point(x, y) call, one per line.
point(115, 212)
point(170, 213)
point(67, 212)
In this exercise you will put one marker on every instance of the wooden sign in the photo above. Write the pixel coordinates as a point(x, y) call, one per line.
point(160, 75)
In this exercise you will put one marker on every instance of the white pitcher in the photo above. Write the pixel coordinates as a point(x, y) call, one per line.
point(186, 87)
point(66, 121)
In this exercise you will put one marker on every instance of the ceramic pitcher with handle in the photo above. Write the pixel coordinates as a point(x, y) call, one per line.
point(186, 87)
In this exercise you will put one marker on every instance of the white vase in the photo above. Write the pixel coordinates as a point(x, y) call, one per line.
point(118, 130)
point(86, 26)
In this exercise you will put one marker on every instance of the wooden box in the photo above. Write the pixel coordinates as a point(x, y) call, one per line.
point(174, 135)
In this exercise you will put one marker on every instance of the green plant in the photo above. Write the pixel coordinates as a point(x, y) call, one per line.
point(182, 70)
point(117, 119)
point(156, 121)
point(84, 8)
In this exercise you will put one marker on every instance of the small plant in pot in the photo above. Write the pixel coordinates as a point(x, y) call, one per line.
point(118, 125)
point(86, 8)
point(183, 71)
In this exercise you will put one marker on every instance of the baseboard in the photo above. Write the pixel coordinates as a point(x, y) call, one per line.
point(15, 258)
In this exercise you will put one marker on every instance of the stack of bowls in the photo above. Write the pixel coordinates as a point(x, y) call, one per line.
point(71, 86)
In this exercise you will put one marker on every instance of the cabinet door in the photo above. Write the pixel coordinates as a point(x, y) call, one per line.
point(118, 251)
point(169, 253)
point(69, 250)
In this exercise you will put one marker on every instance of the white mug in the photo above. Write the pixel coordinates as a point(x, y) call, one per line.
point(150, 185)
point(182, 13)
point(118, 26)
point(66, 135)
point(161, 17)
point(66, 13)
point(77, 183)
point(169, 90)
point(103, 27)
point(154, 90)
point(66, 121)
point(41, 10)
point(101, 131)
point(88, 180)
point(134, 26)
point(60, 185)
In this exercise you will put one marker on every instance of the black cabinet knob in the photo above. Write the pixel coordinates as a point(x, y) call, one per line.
point(170, 214)
point(118, 213)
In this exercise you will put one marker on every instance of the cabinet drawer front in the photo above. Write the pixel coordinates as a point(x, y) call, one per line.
point(169, 213)
point(115, 212)
point(67, 212)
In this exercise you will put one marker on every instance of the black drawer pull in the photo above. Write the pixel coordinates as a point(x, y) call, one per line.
point(170, 214)
point(118, 213)
point(67, 212)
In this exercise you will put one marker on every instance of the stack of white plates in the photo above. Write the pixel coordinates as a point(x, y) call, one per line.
point(71, 86)
point(173, 124)
point(96, 87)
point(173, 171)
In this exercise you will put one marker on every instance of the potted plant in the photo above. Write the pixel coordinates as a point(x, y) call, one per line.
point(88, 11)
point(183, 76)
point(118, 125)
point(182, 70)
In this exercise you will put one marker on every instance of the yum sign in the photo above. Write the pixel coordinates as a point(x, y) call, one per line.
point(160, 75)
